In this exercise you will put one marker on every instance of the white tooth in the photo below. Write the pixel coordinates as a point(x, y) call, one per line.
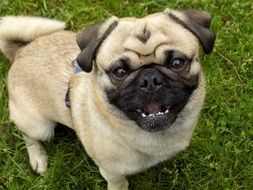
point(151, 115)
point(167, 111)
point(138, 110)
point(143, 115)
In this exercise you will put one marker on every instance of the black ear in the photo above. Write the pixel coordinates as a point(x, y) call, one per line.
point(197, 22)
point(90, 39)
point(200, 17)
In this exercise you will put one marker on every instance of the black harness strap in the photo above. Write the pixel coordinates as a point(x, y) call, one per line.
point(77, 69)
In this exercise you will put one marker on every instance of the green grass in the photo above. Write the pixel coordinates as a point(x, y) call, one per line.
point(220, 155)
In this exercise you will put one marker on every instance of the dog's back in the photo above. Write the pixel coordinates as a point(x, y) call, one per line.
point(41, 52)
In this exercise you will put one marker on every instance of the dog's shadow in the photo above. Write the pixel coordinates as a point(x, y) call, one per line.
point(69, 163)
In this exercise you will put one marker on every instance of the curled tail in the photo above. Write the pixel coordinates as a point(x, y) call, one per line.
point(17, 31)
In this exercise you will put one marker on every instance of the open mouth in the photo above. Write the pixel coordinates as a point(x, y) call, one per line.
point(155, 116)
point(154, 110)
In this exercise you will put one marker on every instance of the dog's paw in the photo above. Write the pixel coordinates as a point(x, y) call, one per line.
point(39, 163)
point(122, 185)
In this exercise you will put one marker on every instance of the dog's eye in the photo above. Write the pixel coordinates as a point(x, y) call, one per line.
point(177, 64)
point(120, 72)
point(176, 61)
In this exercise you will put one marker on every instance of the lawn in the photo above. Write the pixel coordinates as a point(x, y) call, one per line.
point(220, 155)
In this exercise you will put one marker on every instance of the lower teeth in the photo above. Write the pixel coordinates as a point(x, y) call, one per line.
point(152, 114)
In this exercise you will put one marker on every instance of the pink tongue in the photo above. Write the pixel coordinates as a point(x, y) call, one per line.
point(153, 108)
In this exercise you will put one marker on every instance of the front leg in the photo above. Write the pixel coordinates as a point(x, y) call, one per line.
point(114, 181)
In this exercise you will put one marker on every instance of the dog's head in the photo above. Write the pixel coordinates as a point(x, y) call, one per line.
point(148, 68)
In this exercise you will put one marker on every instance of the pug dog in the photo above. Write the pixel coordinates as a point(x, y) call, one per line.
point(131, 88)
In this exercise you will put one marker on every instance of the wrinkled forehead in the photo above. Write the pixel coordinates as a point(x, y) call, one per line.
point(149, 37)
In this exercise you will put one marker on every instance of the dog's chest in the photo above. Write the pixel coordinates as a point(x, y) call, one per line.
point(133, 161)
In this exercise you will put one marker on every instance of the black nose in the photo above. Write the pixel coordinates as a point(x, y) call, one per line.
point(150, 80)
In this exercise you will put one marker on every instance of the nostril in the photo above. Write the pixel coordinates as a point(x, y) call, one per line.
point(157, 81)
point(143, 83)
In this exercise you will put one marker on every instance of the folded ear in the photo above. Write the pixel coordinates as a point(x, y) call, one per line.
point(197, 22)
point(202, 18)
point(90, 39)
